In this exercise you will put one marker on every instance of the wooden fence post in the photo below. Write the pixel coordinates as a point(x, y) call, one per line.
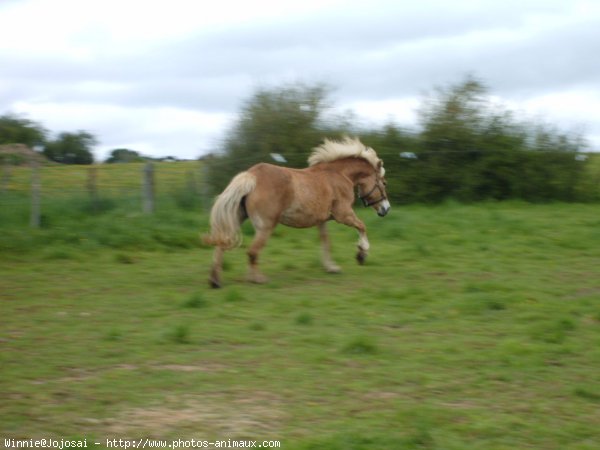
point(35, 218)
point(148, 189)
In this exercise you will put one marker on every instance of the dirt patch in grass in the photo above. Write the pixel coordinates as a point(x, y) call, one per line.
point(584, 292)
point(79, 374)
point(207, 367)
point(240, 415)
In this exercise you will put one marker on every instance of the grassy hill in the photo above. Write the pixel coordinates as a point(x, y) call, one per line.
point(470, 327)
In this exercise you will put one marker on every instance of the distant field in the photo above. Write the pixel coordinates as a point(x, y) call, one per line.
point(68, 188)
point(470, 327)
point(111, 179)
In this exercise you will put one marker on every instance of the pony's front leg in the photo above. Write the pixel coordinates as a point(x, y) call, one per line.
point(350, 219)
point(328, 263)
point(363, 246)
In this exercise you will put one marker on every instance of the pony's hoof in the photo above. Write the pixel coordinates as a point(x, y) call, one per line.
point(214, 284)
point(361, 257)
point(333, 269)
point(258, 279)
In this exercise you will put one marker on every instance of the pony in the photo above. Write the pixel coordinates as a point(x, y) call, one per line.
point(269, 195)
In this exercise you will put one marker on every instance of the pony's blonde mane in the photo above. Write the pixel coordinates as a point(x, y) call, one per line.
point(331, 150)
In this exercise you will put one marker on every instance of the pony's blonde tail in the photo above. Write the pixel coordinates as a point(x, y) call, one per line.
point(226, 214)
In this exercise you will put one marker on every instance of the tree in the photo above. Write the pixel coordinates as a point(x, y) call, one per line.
point(286, 120)
point(17, 130)
point(475, 150)
point(71, 148)
point(461, 118)
point(123, 155)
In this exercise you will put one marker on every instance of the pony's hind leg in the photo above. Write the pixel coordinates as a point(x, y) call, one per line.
point(328, 263)
point(217, 267)
point(260, 239)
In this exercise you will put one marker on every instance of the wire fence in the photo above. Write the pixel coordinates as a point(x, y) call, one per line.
point(138, 187)
point(141, 187)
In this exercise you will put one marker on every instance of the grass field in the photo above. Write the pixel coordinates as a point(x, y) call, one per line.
point(470, 327)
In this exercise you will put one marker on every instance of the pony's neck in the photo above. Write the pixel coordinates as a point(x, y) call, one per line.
point(353, 168)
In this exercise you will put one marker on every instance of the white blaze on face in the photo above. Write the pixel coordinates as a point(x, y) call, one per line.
point(384, 207)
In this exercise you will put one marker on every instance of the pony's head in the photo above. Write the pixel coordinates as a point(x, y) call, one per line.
point(371, 191)
point(371, 188)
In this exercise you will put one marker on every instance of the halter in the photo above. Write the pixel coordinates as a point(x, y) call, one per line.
point(367, 203)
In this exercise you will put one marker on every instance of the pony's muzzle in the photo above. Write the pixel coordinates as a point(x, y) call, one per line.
point(383, 208)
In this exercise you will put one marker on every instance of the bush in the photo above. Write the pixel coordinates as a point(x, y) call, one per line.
point(467, 149)
point(470, 150)
point(499, 175)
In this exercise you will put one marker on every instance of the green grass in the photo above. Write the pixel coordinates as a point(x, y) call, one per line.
point(469, 327)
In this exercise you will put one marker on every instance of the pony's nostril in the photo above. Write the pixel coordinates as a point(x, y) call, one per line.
point(383, 208)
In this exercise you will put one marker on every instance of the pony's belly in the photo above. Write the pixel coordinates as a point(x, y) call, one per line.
point(299, 218)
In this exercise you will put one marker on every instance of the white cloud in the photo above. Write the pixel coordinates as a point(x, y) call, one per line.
point(171, 74)
point(373, 113)
point(575, 111)
point(151, 131)
point(81, 28)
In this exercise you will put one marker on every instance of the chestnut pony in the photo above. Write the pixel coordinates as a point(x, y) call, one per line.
point(300, 198)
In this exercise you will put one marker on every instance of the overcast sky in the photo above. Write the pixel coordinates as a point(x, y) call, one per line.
point(168, 77)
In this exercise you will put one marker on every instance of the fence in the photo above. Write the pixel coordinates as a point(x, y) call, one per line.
point(145, 188)
point(138, 187)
